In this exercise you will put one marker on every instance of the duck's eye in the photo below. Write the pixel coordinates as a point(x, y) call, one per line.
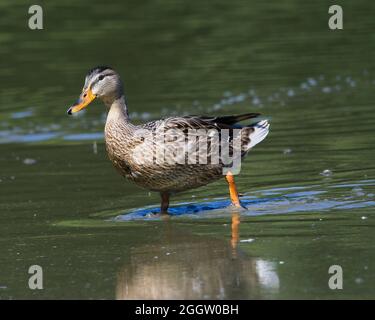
point(101, 77)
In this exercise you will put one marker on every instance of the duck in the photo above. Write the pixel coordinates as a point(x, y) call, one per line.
point(132, 148)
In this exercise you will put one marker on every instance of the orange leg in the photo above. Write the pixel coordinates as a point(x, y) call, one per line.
point(164, 202)
point(233, 190)
point(235, 232)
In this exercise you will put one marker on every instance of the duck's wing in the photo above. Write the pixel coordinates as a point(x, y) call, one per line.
point(165, 151)
point(232, 119)
point(212, 128)
point(199, 122)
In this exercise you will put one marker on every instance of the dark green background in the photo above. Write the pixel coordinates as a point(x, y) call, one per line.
point(176, 57)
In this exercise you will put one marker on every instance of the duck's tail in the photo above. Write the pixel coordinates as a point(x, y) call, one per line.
point(258, 132)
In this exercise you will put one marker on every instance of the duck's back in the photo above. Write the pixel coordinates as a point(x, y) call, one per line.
point(168, 155)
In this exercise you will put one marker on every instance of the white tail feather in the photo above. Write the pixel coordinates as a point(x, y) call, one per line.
point(260, 132)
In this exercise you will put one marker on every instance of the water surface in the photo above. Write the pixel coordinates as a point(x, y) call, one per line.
point(309, 187)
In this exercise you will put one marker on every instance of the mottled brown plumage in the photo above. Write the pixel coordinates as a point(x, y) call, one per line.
point(128, 145)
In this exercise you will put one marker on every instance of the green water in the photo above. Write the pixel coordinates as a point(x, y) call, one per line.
point(59, 198)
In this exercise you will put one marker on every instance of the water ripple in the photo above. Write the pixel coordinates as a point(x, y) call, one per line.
point(271, 201)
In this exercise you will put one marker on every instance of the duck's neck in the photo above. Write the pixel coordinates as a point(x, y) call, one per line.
point(117, 110)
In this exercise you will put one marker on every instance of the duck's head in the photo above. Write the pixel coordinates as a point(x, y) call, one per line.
point(101, 82)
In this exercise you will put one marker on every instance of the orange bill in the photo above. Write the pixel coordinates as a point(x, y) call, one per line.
point(85, 99)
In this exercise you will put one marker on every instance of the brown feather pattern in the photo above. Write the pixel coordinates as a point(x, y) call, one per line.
point(124, 141)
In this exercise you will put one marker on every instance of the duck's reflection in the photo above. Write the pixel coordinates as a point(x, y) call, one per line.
point(184, 266)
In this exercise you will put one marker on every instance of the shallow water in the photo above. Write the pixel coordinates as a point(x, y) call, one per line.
point(309, 187)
